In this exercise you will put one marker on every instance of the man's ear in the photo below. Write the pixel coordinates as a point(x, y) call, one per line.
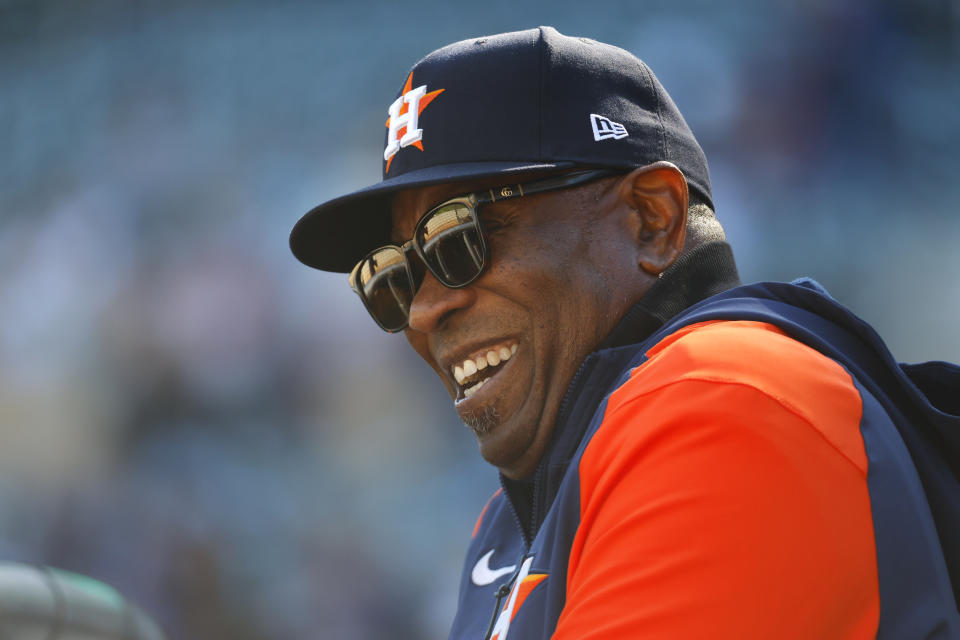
point(658, 194)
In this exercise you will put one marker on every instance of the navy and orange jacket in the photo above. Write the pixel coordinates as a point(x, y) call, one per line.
point(723, 478)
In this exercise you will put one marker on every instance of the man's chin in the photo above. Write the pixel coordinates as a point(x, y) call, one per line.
point(506, 445)
point(482, 420)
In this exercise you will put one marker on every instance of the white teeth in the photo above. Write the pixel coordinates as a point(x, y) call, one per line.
point(493, 358)
point(471, 390)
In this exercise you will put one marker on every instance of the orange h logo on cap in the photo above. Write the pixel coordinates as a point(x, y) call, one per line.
point(403, 123)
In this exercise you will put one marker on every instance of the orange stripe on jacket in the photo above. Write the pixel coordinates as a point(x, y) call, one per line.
point(725, 496)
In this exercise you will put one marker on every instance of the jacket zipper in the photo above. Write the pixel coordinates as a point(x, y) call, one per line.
point(535, 504)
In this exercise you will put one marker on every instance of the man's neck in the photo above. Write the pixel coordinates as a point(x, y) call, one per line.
point(698, 274)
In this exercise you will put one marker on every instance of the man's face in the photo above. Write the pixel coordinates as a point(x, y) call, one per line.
point(562, 272)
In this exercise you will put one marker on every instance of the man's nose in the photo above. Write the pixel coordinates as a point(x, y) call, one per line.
point(434, 304)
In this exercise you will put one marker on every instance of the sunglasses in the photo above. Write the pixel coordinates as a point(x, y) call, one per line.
point(450, 243)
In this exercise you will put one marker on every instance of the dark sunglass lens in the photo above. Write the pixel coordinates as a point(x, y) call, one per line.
point(386, 286)
point(451, 244)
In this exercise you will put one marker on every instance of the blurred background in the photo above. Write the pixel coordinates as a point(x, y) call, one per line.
point(189, 414)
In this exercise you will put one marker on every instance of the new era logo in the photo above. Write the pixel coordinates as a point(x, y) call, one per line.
point(604, 128)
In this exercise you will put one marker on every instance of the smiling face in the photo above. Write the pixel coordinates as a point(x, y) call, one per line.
point(564, 268)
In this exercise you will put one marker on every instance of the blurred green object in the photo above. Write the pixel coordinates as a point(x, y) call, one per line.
point(40, 603)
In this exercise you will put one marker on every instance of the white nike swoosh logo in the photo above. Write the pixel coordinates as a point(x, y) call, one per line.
point(482, 574)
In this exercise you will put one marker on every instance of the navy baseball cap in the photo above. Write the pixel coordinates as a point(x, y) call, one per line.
point(500, 105)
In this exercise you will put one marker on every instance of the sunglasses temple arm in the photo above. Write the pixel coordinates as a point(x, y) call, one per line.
point(538, 186)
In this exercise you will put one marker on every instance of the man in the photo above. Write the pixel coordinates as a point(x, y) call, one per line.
point(680, 457)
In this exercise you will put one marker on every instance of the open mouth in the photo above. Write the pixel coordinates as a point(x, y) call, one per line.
point(475, 371)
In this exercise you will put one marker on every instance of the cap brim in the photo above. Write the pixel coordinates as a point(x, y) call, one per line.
point(335, 235)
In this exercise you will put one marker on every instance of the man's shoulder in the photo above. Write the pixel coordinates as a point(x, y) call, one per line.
point(748, 352)
point(747, 367)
